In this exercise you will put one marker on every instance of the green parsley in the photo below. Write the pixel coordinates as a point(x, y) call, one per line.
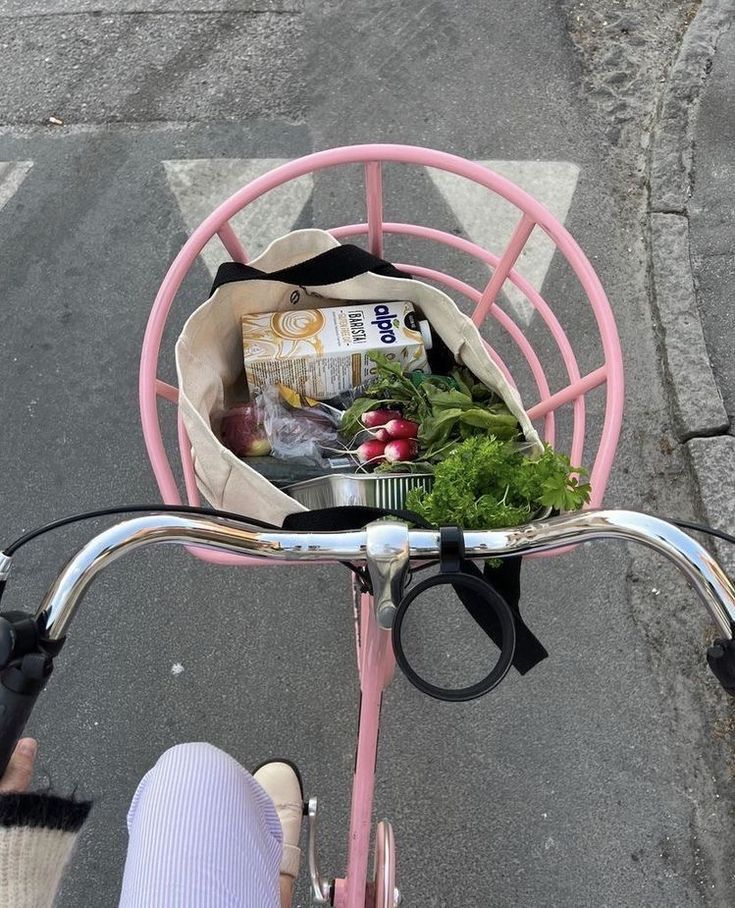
point(486, 483)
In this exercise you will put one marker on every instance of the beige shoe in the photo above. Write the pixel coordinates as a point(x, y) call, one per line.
point(281, 781)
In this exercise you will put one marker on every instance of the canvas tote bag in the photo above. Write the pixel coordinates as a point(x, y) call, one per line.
point(306, 269)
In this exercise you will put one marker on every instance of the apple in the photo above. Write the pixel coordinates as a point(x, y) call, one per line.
point(243, 433)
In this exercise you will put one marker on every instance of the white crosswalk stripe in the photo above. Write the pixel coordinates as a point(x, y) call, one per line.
point(202, 184)
point(12, 174)
point(488, 220)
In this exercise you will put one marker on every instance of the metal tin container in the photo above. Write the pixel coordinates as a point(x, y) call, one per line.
point(383, 491)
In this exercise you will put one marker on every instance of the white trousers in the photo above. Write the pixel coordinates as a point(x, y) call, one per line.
point(203, 834)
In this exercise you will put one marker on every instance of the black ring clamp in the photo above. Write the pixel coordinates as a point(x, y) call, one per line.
point(451, 558)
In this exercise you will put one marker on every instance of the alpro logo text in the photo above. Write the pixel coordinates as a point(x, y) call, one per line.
point(385, 321)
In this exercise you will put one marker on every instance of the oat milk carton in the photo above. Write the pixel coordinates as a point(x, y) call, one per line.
point(322, 352)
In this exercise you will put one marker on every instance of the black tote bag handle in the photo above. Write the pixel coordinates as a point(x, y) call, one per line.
point(331, 267)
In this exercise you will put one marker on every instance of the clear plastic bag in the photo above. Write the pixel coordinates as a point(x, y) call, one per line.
point(302, 433)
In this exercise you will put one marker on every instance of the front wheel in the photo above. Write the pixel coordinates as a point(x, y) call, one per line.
point(384, 879)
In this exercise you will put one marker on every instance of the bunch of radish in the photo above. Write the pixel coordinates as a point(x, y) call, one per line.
point(394, 438)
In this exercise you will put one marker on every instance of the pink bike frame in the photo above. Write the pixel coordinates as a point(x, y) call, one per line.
point(376, 666)
point(374, 652)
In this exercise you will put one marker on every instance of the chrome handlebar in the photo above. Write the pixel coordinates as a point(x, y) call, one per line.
point(386, 547)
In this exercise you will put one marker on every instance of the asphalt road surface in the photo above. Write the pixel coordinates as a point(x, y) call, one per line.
point(588, 782)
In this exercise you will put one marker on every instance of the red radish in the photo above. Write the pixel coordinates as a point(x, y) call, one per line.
point(402, 428)
point(401, 449)
point(371, 451)
point(382, 435)
point(374, 418)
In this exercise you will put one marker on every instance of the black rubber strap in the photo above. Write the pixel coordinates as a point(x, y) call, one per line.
point(451, 549)
point(506, 580)
point(331, 267)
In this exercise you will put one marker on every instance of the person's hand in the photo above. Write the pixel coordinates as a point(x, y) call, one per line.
point(18, 775)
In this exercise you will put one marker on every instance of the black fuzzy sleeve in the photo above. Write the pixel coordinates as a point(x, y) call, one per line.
point(43, 811)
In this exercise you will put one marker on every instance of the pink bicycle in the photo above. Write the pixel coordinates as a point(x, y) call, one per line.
point(374, 654)
point(383, 553)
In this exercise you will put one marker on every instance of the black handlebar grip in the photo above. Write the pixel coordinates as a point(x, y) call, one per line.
point(20, 685)
point(721, 660)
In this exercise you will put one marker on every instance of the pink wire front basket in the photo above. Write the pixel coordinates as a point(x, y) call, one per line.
point(591, 446)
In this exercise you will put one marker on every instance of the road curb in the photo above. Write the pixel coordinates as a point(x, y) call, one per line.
point(701, 419)
point(713, 460)
point(699, 406)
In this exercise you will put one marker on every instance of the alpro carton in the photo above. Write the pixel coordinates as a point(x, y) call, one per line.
point(323, 352)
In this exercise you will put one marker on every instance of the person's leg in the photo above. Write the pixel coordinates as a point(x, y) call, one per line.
point(203, 834)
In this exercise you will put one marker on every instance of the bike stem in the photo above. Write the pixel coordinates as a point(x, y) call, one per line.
point(387, 550)
point(377, 670)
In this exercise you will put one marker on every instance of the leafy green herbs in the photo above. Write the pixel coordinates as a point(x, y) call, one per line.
point(447, 408)
point(469, 439)
point(484, 482)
